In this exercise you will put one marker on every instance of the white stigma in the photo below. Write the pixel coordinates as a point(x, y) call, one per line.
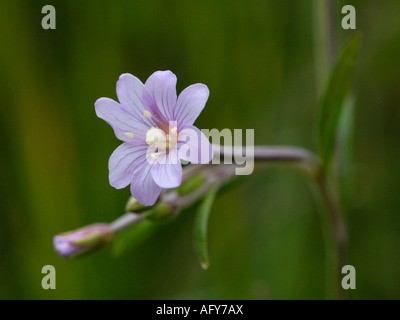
point(155, 155)
point(155, 136)
point(129, 135)
point(174, 130)
point(147, 114)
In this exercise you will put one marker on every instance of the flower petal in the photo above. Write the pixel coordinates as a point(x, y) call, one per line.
point(129, 92)
point(190, 103)
point(143, 187)
point(161, 89)
point(194, 146)
point(119, 119)
point(123, 162)
point(167, 171)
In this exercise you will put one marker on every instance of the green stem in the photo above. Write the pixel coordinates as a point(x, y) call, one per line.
point(324, 40)
point(335, 237)
point(332, 223)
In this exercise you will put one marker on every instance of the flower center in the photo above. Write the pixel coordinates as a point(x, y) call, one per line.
point(158, 138)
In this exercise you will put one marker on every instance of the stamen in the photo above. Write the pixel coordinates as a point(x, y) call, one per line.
point(129, 135)
point(147, 114)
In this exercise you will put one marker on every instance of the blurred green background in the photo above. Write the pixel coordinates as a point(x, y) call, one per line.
point(257, 58)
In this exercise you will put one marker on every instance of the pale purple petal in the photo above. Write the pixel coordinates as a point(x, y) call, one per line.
point(120, 120)
point(194, 146)
point(190, 103)
point(167, 171)
point(161, 94)
point(64, 247)
point(143, 187)
point(79, 241)
point(123, 162)
point(129, 92)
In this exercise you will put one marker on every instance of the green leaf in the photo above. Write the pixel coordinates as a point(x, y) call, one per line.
point(345, 141)
point(333, 99)
point(201, 223)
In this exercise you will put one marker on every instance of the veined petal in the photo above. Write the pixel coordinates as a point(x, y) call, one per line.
point(123, 162)
point(194, 146)
point(143, 187)
point(129, 92)
point(167, 171)
point(190, 103)
point(161, 89)
point(119, 119)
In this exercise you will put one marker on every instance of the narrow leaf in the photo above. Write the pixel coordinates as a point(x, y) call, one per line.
point(201, 224)
point(344, 155)
point(333, 99)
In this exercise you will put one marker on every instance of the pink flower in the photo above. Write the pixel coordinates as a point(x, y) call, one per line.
point(157, 130)
point(73, 243)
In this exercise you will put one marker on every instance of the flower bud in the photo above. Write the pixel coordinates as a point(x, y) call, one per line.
point(74, 243)
point(134, 206)
point(191, 184)
point(160, 211)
